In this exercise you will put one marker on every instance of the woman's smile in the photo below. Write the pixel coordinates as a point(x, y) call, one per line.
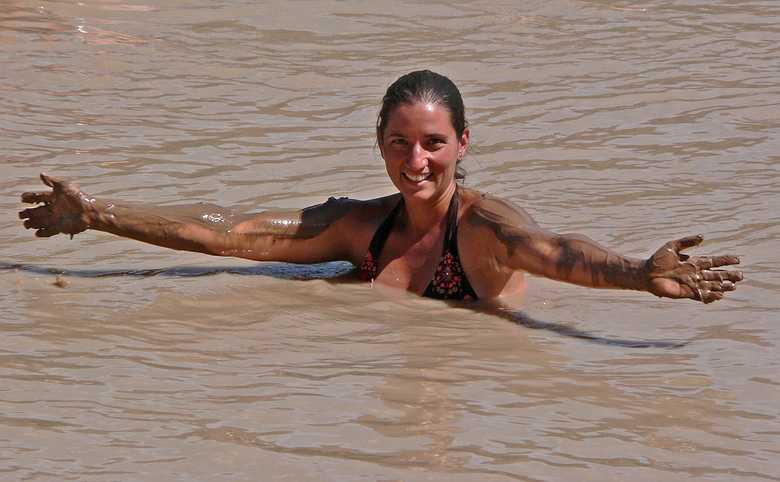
point(416, 178)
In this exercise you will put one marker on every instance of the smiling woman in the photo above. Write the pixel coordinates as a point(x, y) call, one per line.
point(433, 237)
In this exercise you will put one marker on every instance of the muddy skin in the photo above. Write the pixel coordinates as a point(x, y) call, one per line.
point(559, 256)
point(202, 227)
point(606, 269)
point(577, 259)
point(695, 275)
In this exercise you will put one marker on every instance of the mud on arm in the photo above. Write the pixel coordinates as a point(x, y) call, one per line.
point(307, 235)
point(571, 258)
point(577, 259)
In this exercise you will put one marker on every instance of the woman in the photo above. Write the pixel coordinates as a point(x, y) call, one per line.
point(433, 237)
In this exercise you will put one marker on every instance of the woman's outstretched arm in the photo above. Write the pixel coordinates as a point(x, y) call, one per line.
point(580, 260)
point(301, 236)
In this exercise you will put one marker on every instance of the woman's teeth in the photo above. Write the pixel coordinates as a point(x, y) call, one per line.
point(417, 177)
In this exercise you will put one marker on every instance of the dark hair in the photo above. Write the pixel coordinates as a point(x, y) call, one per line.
point(429, 87)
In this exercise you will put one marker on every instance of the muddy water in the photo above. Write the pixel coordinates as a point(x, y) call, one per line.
point(630, 122)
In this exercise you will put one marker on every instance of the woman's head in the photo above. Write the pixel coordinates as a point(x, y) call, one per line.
point(429, 88)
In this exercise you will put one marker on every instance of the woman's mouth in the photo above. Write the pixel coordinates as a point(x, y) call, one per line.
point(416, 177)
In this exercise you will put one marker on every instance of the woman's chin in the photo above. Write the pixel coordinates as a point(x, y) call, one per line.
point(427, 193)
point(417, 190)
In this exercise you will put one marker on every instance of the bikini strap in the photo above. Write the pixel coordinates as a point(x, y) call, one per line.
point(450, 236)
point(383, 231)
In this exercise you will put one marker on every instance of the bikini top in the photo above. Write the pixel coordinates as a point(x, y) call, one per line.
point(449, 281)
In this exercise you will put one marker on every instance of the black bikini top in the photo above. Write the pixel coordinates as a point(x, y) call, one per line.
point(449, 281)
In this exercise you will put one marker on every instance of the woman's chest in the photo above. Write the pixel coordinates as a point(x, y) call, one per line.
point(409, 265)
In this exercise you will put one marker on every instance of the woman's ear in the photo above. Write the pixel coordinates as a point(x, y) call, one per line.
point(463, 143)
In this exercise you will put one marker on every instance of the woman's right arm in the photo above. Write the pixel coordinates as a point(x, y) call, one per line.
point(577, 259)
point(315, 234)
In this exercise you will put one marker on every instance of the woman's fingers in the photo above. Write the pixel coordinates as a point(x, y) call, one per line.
point(723, 260)
point(34, 212)
point(36, 218)
point(686, 242)
point(46, 232)
point(35, 223)
point(59, 212)
point(36, 197)
point(704, 295)
point(710, 296)
point(708, 262)
point(43, 197)
point(50, 181)
point(717, 286)
point(709, 286)
point(721, 275)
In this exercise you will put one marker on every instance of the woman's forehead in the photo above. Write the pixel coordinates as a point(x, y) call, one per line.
point(429, 115)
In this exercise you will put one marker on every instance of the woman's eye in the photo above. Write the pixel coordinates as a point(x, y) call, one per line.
point(398, 142)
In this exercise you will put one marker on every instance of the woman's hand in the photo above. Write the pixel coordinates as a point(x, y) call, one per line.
point(676, 275)
point(65, 209)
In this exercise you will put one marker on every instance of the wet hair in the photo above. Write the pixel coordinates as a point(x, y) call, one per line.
point(430, 88)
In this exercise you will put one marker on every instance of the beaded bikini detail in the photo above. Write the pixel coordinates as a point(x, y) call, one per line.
point(449, 281)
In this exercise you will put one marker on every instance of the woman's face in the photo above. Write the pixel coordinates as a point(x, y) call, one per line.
point(421, 148)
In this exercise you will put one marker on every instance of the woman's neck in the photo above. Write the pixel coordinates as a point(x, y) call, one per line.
point(423, 216)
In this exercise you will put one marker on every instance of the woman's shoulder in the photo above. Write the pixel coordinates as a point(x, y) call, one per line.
point(481, 208)
point(367, 210)
point(354, 214)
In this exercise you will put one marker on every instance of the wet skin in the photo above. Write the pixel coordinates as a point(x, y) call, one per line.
point(577, 259)
point(206, 228)
point(498, 242)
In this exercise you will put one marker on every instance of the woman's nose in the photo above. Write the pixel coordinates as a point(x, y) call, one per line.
point(418, 158)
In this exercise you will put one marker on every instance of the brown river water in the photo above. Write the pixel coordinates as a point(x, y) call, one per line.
point(630, 122)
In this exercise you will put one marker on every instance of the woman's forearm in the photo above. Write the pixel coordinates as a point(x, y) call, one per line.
point(193, 227)
point(573, 259)
point(273, 235)
point(580, 260)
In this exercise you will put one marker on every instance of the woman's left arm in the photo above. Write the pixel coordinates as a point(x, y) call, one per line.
point(580, 260)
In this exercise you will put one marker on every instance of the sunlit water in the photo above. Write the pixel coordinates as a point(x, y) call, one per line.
point(630, 122)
